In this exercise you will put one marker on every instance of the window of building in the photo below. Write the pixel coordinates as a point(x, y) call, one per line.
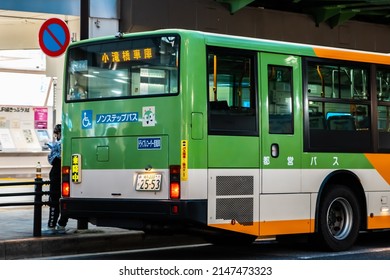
point(28, 66)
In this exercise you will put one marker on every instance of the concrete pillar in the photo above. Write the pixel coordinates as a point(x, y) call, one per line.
point(99, 18)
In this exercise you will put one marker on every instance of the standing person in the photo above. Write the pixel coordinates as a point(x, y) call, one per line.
point(55, 184)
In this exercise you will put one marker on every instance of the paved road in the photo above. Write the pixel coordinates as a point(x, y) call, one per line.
point(371, 246)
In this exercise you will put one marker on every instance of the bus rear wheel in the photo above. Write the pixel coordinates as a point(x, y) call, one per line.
point(338, 218)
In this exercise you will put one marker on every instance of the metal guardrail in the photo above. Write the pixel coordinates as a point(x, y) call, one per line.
point(38, 202)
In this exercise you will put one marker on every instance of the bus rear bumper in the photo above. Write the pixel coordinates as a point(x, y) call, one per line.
point(137, 214)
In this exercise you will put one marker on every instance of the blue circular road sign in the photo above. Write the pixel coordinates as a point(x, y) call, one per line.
point(54, 37)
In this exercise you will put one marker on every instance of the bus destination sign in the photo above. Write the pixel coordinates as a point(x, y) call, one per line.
point(127, 55)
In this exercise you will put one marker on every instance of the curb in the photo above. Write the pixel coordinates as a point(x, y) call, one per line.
point(77, 243)
point(88, 241)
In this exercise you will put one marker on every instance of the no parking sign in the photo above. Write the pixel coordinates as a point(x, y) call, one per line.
point(54, 37)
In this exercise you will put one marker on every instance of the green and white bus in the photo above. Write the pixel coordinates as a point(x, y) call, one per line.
point(237, 138)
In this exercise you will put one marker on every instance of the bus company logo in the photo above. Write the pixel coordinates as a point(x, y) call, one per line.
point(148, 116)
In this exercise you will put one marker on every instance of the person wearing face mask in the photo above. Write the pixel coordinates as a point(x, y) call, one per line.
point(54, 158)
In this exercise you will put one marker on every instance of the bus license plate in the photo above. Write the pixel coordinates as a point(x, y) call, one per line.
point(148, 182)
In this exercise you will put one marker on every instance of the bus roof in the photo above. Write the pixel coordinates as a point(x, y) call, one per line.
point(262, 45)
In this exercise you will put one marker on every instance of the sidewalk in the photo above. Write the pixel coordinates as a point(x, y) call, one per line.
point(17, 241)
point(17, 223)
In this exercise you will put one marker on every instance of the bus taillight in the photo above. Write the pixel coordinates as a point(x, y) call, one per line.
point(66, 171)
point(174, 181)
point(65, 188)
point(175, 190)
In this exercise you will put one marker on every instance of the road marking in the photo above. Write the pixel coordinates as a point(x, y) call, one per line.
point(131, 251)
point(347, 253)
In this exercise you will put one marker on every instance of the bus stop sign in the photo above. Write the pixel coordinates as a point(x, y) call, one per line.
point(54, 37)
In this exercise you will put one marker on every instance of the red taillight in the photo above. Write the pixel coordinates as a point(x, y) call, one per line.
point(175, 209)
point(174, 185)
point(174, 170)
point(65, 189)
point(175, 190)
point(65, 170)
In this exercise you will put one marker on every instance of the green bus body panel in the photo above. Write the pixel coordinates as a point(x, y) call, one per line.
point(213, 39)
point(233, 152)
point(261, 45)
point(197, 126)
point(119, 153)
point(115, 146)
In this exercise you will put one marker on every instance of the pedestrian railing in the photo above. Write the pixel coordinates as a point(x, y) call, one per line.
point(38, 202)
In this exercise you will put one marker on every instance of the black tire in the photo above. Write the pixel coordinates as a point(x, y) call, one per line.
point(338, 218)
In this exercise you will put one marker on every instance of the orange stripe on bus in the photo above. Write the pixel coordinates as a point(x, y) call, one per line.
point(352, 56)
point(270, 228)
point(378, 222)
point(381, 162)
point(248, 229)
point(285, 227)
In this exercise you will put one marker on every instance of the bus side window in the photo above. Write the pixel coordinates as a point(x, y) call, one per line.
point(343, 122)
point(317, 121)
point(339, 108)
point(383, 114)
point(218, 106)
point(280, 100)
point(231, 93)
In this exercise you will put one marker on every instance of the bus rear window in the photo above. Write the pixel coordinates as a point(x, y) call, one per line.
point(123, 68)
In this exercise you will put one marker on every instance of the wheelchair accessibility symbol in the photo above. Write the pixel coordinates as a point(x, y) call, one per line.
point(86, 119)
